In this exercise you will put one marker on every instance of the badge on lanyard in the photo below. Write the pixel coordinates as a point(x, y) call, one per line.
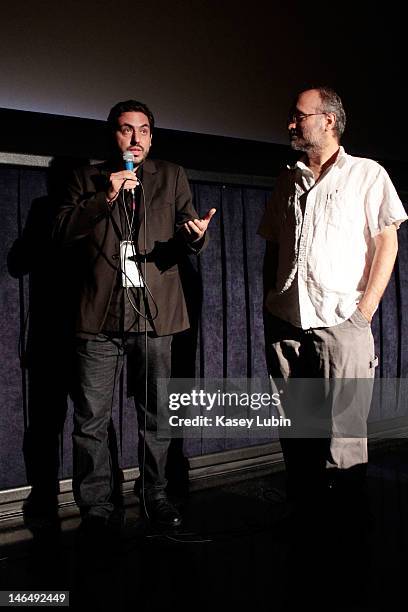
point(130, 272)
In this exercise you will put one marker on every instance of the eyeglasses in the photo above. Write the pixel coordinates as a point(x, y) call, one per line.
point(298, 117)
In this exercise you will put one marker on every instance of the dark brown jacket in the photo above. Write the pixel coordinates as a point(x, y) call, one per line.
point(92, 227)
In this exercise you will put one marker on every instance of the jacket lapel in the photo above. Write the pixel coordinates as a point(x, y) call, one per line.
point(149, 187)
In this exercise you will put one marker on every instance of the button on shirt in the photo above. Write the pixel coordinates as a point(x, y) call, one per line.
point(325, 234)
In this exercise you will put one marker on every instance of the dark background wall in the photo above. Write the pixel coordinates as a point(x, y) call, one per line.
point(210, 67)
point(224, 286)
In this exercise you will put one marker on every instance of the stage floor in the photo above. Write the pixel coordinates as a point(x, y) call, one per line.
point(242, 547)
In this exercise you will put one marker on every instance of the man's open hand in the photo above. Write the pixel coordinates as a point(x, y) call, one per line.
point(196, 228)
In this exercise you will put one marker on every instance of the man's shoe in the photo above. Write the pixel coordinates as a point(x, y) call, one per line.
point(161, 511)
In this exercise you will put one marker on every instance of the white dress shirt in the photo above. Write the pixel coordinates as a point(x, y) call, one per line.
point(325, 235)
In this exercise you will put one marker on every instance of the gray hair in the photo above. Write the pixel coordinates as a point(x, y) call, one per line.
point(331, 103)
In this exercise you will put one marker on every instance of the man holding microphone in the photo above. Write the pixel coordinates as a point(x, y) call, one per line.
point(130, 228)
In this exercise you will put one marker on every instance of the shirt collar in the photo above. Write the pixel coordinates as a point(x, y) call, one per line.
point(339, 163)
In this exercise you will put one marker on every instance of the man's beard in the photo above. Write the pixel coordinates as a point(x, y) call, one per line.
point(300, 143)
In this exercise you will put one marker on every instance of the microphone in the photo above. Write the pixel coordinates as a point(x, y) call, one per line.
point(128, 159)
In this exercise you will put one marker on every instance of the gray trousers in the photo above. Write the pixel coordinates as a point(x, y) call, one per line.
point(98, 365)
point(338, 363)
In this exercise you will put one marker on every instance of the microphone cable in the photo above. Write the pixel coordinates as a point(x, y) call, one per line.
point(147, 318)
point(135, 256)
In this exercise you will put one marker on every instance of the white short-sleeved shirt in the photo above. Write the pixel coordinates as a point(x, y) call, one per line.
point(325, 235)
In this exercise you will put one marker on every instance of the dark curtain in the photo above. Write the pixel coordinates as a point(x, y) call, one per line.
point(224, 286)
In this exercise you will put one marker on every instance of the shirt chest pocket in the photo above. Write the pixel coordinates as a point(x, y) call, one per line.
point(338, 212)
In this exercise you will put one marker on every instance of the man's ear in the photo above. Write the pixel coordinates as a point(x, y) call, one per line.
point(331, 120)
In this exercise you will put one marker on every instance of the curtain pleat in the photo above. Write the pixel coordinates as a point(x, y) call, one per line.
point(224, 293)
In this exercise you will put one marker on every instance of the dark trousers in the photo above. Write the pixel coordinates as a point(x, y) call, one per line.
point(99, 362)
